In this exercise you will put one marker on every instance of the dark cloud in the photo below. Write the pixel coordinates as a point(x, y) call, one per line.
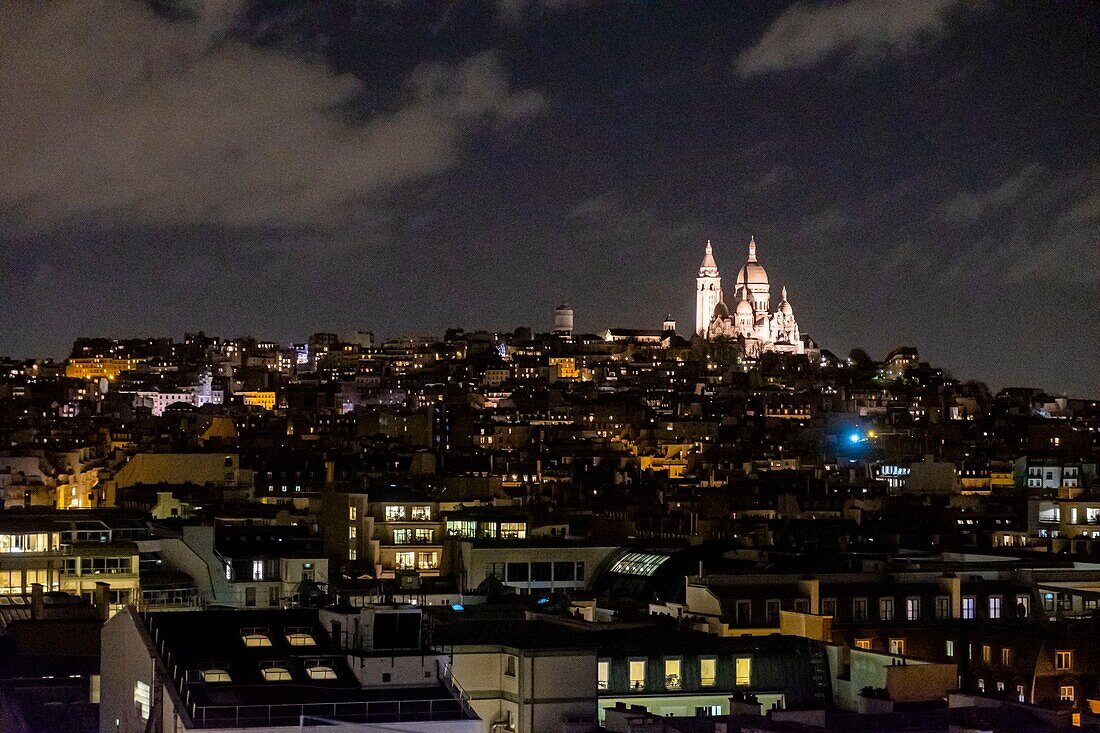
point(114, 112)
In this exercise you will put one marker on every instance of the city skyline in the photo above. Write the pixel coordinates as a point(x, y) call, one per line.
point(926, 175)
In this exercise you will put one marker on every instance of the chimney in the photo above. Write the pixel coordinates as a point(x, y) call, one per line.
point(38, 602)
point(101, 599)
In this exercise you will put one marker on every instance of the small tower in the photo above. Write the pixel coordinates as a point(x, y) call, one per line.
point(708, 291)
point(669, 324)
point(563, 320)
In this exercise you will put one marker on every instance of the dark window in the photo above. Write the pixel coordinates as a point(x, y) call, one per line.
point(564, 571)
point(540, 571)
point(517, 572)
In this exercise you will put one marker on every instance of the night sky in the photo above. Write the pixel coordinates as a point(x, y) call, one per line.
point(917, 172)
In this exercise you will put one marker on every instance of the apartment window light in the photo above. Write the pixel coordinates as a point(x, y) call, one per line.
point(708, 672)
point(276, 674)
point(1063, 661)
point(743, 670)
point(637, 674)
point(321, 672)
point(673, 678)
point(216, 675)
point(603, 674)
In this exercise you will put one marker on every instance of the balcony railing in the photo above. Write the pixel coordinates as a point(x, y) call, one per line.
point(379, 711)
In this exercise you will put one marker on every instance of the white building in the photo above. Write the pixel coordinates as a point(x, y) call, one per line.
point(752, 319)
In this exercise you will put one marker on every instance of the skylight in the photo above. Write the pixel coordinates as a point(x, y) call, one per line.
point(638, 563)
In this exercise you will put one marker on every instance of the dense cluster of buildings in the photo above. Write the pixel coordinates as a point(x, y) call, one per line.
point(543, 532)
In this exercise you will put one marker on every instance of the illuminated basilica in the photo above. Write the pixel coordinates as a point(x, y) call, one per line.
point(749, 318)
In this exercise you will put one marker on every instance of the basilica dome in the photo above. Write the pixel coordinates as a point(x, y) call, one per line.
point(753, 273)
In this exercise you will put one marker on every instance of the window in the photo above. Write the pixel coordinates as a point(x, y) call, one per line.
point(402, 536)
point(771, 611)
point(1000, 687)
point(564, 571)
point(863, 643)
point(950, 648)
point(897, 646)
point(987, 654)
point(352, 553)
point(1048, 601)
point(257, 569)
point(513, 530)
point(353, 532)
point(1023, 606)
point(708, 671)
point(394, 513)
point(141, 698)
point(1066, 693)
point(250, 596)
point(672, 674)
point(276, 674)
point(321, 672)
point(229, 571)
point(637, 674)
point(859, 609)
point(1006, 656)
point(603, 674)
point(994, 607)
point(300, 638)
point(912, 609)
point(255, 639)
point(509, 665)
point(541, 572)
point(638, 563)
point(421, 513)
point(423, 536)
point(828, 607)
point(707, 711)
point(802, 605)
point(743, 610)
point(743, 669)
point(518, 572)
point(461, 528)
point(216, 675)
point(273, 595)
point(981, 685)
point(405, 560)
point(968, 607)
point(886, 609)
point(1063, 661)
point(1020, 693)
point(353, 513)
point(580, 571)
point(427, 560)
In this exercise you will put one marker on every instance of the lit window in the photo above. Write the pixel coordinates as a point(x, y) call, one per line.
point(353, 513)
point(427, 560)
point(603, 674)
point(1063, 661)
point(950, 648)
point(394, 513)
point(912, 609)
point(321, 672)
point(1066, 693)
point(708, 671)
point(1006, 656)
point(968, 605)
point(276, 674)
point(352, 532)
point(897, 646)
point(994, 607)
point(255, 639)
point(422, 513)
point(886, 609)
point(216, 675)
point(863, 643)
point(672, 674)
point(405, 561)
point(743, 671)
point(1020, 693)
point(141, 698)
point(637, 674)
point(257, 569)
point(981, 685)
point(299, 638)
point(638, 563)
point(987, 653)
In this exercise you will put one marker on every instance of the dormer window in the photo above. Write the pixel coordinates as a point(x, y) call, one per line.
point(300, 638)
point(216, 675)
point(276, 674)
point(255, 638)
point(321, 672)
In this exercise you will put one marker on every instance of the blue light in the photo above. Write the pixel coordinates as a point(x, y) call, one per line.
point(544, 599)
point(854, 437)
point(457, 607)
